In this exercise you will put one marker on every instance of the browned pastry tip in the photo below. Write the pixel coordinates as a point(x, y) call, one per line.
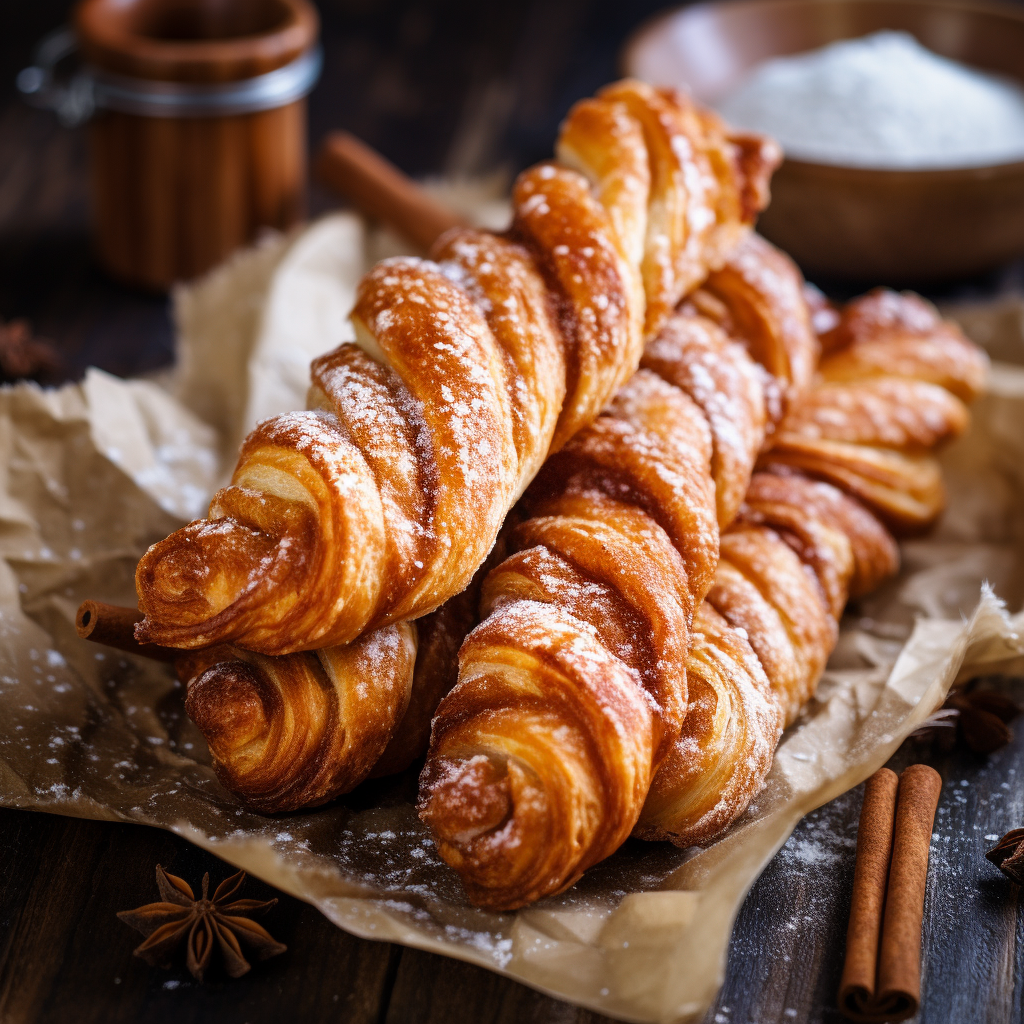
point(891, 388)
point(757, 156)
point(899, 334)
point(300, 730)
point(541, 700)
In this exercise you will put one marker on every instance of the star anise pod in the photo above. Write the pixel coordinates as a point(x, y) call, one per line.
point(1008, 855)
point(203, 925)
point(977, 718)
point(23, 356)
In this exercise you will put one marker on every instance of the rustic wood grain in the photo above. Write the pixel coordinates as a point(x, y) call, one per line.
point(67, 957)
point(175, 196)
point(63, 954)
point(445, 86)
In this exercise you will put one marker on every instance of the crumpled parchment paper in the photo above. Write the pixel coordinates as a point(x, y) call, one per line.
point(94, 472)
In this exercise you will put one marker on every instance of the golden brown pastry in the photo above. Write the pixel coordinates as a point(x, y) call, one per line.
point(761, 642)
point(890, 389)
point(300, 730)
point(728, 738)
point(787, 565)
point(381, 500)
point(440, 635)
point(570, 701)
point(237, 699)
point(744, 299)
point(573, 689)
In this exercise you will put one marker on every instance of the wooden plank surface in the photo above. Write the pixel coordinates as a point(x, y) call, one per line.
point(65, 956)
point(449, 87)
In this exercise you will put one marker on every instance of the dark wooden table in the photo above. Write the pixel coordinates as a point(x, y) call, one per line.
point(448, 87)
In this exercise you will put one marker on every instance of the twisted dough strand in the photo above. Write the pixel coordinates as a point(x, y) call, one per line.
point(892, 387)
point(332, 712)
point(758, 645)
point(802, 546)
point(573, 689)
point(299, 730)
point(694, 356)
point(381, 500)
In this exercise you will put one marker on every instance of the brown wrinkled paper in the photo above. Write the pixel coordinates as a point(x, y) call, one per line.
point(94, 472)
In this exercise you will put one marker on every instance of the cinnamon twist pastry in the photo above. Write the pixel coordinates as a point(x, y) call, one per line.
point(892, 387)
point(573, 689)
point(380, 501)
point(745, 680)
point(890, 390)
point(236, 698)
point(300, 730)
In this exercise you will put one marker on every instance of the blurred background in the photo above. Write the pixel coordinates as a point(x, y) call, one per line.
point(440, 87)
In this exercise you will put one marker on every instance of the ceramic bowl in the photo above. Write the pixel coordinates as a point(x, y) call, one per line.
point(892, 226)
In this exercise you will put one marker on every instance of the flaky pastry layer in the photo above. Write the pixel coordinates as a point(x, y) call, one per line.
point(381, 500)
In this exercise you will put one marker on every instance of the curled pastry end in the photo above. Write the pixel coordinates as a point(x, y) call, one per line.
point(192, 595)
point(466, 799)
point(290, 558)
point(229, 705)
point(758, 157)
point(518, 786)
point(235, 709)
point(301, 729)
point(490, 818)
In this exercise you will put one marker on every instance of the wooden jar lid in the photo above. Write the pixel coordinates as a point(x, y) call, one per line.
point(194, 40)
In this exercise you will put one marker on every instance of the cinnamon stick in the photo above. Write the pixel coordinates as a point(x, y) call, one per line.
point(381, 191)
point(882, 975)
point(899, 958)
point(114, 626)
point(870, 875)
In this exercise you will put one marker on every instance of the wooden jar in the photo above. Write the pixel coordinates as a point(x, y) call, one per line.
point(199, 134)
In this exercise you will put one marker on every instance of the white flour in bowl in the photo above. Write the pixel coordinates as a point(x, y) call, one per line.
point(882, 101)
